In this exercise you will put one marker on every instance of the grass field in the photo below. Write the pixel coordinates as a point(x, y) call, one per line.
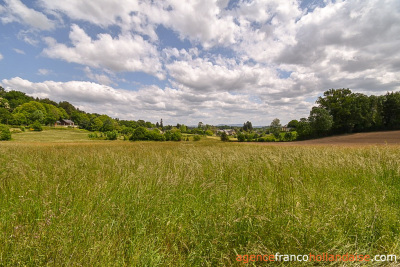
point(116, 203)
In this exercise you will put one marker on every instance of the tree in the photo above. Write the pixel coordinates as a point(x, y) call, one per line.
point(293, 123)
point(68, 107)
point(275, 127)
point(32, 110)
point(241, 137)
point(320, 121)
point(391, 110)
point(140, 133)
point(247, 126)
point(96, 124)
point(303, 129)
point(200, 125)
point(5, 116)
point(5, 133)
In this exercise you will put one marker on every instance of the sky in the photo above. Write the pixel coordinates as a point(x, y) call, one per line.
point(210, 61)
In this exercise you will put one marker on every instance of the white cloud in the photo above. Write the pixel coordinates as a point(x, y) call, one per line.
point(126, 53)
point(1, 56)
point(19, 51)
point(16, 11)
point(100, 78)
point(152, 103)
point(43, 72)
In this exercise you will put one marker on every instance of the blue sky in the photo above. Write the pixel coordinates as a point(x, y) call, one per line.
point(189, 61)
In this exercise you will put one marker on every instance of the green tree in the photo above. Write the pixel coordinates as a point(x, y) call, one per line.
point(96, 124)
point(391, 110)
point(275, 127)
point(303, 129)
point(241, 137)
point(32, 110)
point(140, 133)
point(320, 121)
point(68, 107)
point(293, 123)
point(5, 116)
point(247, 126)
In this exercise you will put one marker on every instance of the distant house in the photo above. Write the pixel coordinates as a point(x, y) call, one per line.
point(227, 131)
point(65, 123)
point(286, 129)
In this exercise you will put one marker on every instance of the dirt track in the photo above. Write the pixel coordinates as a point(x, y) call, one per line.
point(373, 138)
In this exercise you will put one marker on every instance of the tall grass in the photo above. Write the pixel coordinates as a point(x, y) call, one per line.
point(192, 204)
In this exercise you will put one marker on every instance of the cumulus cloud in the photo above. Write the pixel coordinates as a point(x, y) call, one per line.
point(1, 56)
point(125, 53)
point(16, 11)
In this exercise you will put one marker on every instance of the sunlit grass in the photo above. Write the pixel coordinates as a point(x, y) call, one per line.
point(193, 203)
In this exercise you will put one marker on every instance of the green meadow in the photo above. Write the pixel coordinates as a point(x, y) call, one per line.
point(66, 200)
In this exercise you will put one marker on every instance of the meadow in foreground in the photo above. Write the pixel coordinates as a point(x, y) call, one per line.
point(191, 204)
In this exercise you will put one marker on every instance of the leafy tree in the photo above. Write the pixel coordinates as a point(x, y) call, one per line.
point(275, 127)
point(5, 133)
point(5, 116)
point(320, 121)
point(293, 123)
point(32, 110)
point(391, 110)
point(16, 98)
point(4, 103)
point(247, 126)
point(19, 119)
point(68, 107)
point(139, 133)
point(241, 137)
point(96, 124)
point(303, 129)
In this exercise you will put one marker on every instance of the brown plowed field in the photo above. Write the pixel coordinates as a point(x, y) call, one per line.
point(373, 138)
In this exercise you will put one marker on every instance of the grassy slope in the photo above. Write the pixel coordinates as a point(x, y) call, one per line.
point(189, 204)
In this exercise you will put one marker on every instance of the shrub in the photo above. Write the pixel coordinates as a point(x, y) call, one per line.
point(111, 135)
point(241, 137)
point(196, 137)
point(224, 137)
point(93, 136)
point(36, 126)
point(139, 133)
point(5, 133)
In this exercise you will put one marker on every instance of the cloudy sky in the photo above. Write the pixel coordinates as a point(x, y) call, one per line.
point(215, 61)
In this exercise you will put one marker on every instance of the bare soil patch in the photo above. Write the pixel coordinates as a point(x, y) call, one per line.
point(372, 138)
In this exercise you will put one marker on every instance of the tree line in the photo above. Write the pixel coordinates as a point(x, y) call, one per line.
point(341, 111)
point(338, 111)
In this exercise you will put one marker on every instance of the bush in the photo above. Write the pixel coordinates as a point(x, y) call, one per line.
point(241, 137)
point(36, 126)
point(224, 137)
point(196, 137)
point(111, 135)
point(139, 134)
point(93, 136)
point(5, 133)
